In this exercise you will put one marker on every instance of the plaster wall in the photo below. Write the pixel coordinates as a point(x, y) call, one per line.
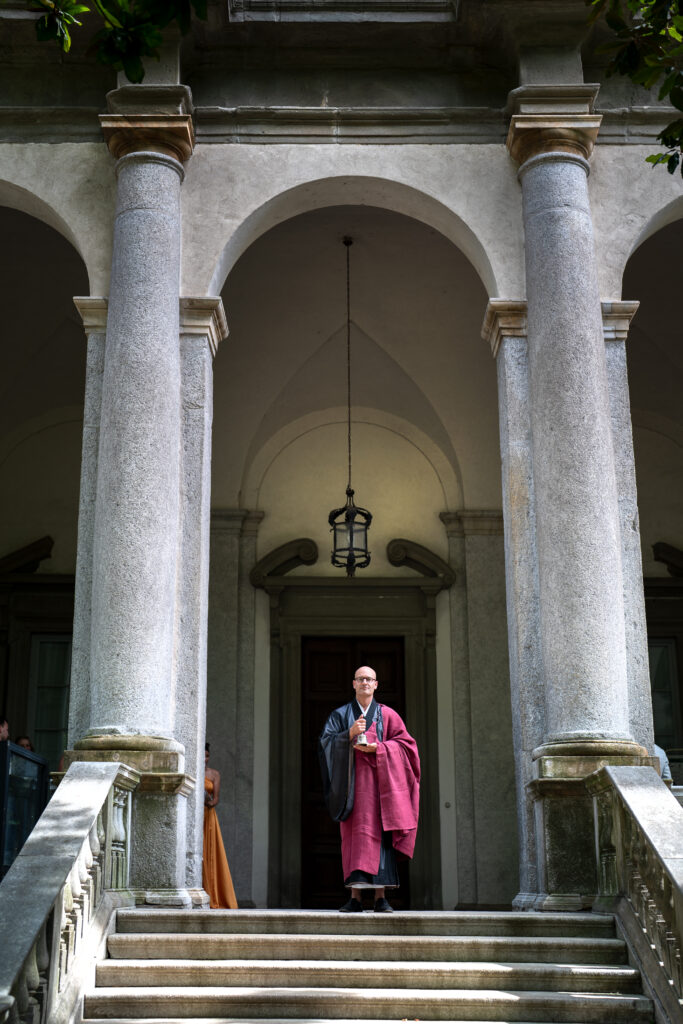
point(71, 187)
point(391, 476)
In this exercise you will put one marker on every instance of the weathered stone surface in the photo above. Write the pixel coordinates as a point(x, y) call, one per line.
point(577, 517)
point(136, 520)
point(94, 314)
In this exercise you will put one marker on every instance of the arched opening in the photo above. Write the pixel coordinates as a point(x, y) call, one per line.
point(655, 363)
point(42, 364)
point(425, 443)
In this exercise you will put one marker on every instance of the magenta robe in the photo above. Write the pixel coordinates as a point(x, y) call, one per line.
point(387, 798)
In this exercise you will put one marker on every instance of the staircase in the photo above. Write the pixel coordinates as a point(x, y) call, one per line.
point(169, 966)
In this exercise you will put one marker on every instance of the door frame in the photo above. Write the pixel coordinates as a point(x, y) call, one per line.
point(372, 606)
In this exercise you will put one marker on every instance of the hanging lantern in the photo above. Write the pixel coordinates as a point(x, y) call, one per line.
point(350, 524)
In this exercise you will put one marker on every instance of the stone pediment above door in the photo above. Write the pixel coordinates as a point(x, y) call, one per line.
point(434, 573)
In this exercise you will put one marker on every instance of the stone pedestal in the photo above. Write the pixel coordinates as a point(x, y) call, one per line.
point(575, 493)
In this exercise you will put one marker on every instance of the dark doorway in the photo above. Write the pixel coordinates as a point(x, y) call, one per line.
point(328, 665)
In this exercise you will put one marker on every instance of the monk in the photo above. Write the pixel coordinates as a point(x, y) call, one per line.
point(371, 783)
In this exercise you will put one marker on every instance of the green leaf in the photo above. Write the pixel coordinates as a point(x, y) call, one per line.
point(133, 68)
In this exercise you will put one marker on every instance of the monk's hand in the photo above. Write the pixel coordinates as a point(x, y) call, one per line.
point(366, 748)
point(357, 728)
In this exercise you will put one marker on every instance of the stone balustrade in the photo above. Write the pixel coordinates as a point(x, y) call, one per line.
point(639, 839)
point(57, 898)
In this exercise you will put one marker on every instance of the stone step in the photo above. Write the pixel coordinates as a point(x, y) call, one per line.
point(378, 1004)
point(316, 922)
point(517, 949)
point(265, 1020)
point(334, 974)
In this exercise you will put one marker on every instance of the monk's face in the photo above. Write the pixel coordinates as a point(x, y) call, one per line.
point(365, 683)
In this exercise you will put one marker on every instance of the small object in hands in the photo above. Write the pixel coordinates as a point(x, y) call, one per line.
point(362, 740)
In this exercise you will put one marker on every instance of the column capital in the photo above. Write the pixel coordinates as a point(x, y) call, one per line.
point(504, 318)
point(616, 319)
point(251, 523)
point(171, 135)
point(470, 522)
point(228, 520)
point(552, 119)
point(204, 315)
point(93, 310)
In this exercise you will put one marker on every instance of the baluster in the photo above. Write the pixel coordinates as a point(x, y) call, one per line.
point(96, 848)
point(83, 862)
point(43, 964)
point(119, 839)
point(66, 940)
point(76, 903)
point(29, 980)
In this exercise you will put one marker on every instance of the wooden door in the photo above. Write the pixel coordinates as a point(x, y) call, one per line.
point(328, 666)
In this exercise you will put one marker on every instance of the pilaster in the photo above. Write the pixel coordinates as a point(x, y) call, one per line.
point(616, 320)
point(224, 730)
point(246, 709)
point(485, 819)
point(93, 311)
point(505, 330)
point(202, 327)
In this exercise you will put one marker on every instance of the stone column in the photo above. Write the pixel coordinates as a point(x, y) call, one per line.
point(202, 328)
point(94, 314)
point(505, 329)
point(137, 534)
point(581, 604)
point(616, 318)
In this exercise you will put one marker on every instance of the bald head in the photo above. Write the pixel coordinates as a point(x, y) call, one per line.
point(365, 684)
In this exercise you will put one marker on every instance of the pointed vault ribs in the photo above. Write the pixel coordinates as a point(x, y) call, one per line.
point(302, 966)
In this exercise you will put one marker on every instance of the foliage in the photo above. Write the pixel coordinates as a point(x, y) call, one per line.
point(131, 29)
point(648, 49)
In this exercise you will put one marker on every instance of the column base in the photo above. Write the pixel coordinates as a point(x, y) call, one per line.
point(179, 898)
point(565, 826)
point(200, 899)
point(525, 901)
point(565, 903)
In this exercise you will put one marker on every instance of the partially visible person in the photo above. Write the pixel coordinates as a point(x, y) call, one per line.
point(664, 767)
point(24, 741)
point(216, 878)
point(4, 730)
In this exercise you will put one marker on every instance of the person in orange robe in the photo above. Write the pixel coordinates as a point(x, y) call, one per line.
point(216, 878)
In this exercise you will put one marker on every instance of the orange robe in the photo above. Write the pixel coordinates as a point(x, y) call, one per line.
point(216, 878)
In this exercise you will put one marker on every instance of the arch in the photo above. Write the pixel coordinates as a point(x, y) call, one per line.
point(449, 476)
point(17, 198)
point(660, 219)
point(384, 193)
